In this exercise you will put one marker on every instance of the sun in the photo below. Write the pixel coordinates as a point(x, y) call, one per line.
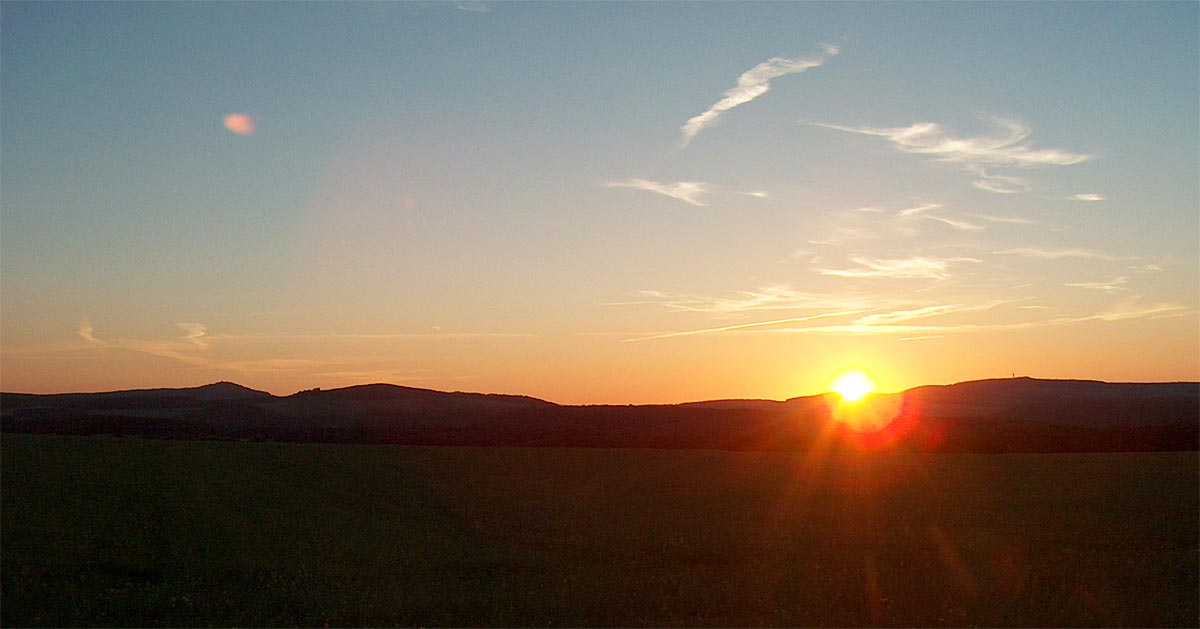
point(852, 384)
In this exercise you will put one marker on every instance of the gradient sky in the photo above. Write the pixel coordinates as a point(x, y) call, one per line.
point(597, 202)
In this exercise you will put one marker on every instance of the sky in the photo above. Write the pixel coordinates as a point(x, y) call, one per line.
point(597, 202)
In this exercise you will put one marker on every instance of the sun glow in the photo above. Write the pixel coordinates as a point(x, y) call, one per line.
point(852, 384)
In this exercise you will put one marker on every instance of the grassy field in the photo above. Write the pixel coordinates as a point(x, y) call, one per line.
point(101, 531)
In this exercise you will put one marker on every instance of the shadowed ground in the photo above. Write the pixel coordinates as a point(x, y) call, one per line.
point(100, 531)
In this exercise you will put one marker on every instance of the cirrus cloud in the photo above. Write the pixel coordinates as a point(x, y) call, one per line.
point(1008, 147)
point(907, 268)
point(751, 84)
point(686, 191)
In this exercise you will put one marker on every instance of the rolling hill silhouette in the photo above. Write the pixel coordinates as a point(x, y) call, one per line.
point(1018, 414)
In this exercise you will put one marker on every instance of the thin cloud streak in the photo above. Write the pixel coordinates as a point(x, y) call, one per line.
point(1112, 286)
point(751, 84)
point(194, 333)
point(195, 346)
point(395, 336)
point(1005, 220)
point(1009, 147)
point(918, 267)
point(743, 326)
point(918, 332)
point(1088, 196)
point(686, 191)
point(1057, 254)
point(472, 6)
point(763, 299)
point(1000, 184)
point(875, 323)
point(914, 211)
point(956, 224)
point(922, 212)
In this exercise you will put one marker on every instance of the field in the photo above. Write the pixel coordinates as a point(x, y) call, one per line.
point(104, 531)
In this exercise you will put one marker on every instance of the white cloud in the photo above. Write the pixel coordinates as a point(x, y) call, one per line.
point(922, 212)
point(743, 326)
point(1008, 147)
point(915, 267)
point(915, 211)
point(880, 323)
point(1087, 196)
point(1009, 220)
point(957, 224)
point(751, 84)
point(1000, 184)
point(1057, 254)
point(898, 316)
point(1111, 286)
point(686, 191)
point(472, 6)
point(194, 333)
point(761, 299)
point(86, 333)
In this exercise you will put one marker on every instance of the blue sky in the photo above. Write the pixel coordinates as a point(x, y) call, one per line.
point(509, 197)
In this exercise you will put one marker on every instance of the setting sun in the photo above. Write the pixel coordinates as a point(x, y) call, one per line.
point(852, 384)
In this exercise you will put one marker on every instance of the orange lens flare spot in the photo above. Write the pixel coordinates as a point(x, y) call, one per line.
point(240, 124)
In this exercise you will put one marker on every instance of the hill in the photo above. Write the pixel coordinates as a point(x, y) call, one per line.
point(1018, 414)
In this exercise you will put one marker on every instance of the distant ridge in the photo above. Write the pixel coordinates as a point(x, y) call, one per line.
point(223, 390)
point(381, 391)
point(998, 415)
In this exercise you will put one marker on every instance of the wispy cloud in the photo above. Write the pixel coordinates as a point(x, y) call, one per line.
point(183, 349)
point(915, 211)
point(1087, 196)
point(686, 191)
point(751, 84)
point(1130, 310)
point(435, 335)
point(903, 324)
point(767, 298)
point(1007, 147)
point(957, 224)
point(877, 323)
point(1000, 184)
point(472, 6)
point(1057, 254)
point(923, 212)
point(194, 333)
point(904, 320)
point(198, 348)
point(917, 267)
point(86, 333)
point(879, 223)
point(1007, 220)
point(899, 316)
point(1110, 286)
point(743, 326)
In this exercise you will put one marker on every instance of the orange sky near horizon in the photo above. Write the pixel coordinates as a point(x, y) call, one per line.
point(597, 203)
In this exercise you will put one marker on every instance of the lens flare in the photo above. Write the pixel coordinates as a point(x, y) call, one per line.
point(240, 124)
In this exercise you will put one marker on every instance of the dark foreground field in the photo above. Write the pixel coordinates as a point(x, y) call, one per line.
point(101, 531)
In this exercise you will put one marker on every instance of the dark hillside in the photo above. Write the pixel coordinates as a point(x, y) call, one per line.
point(1015, 415)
